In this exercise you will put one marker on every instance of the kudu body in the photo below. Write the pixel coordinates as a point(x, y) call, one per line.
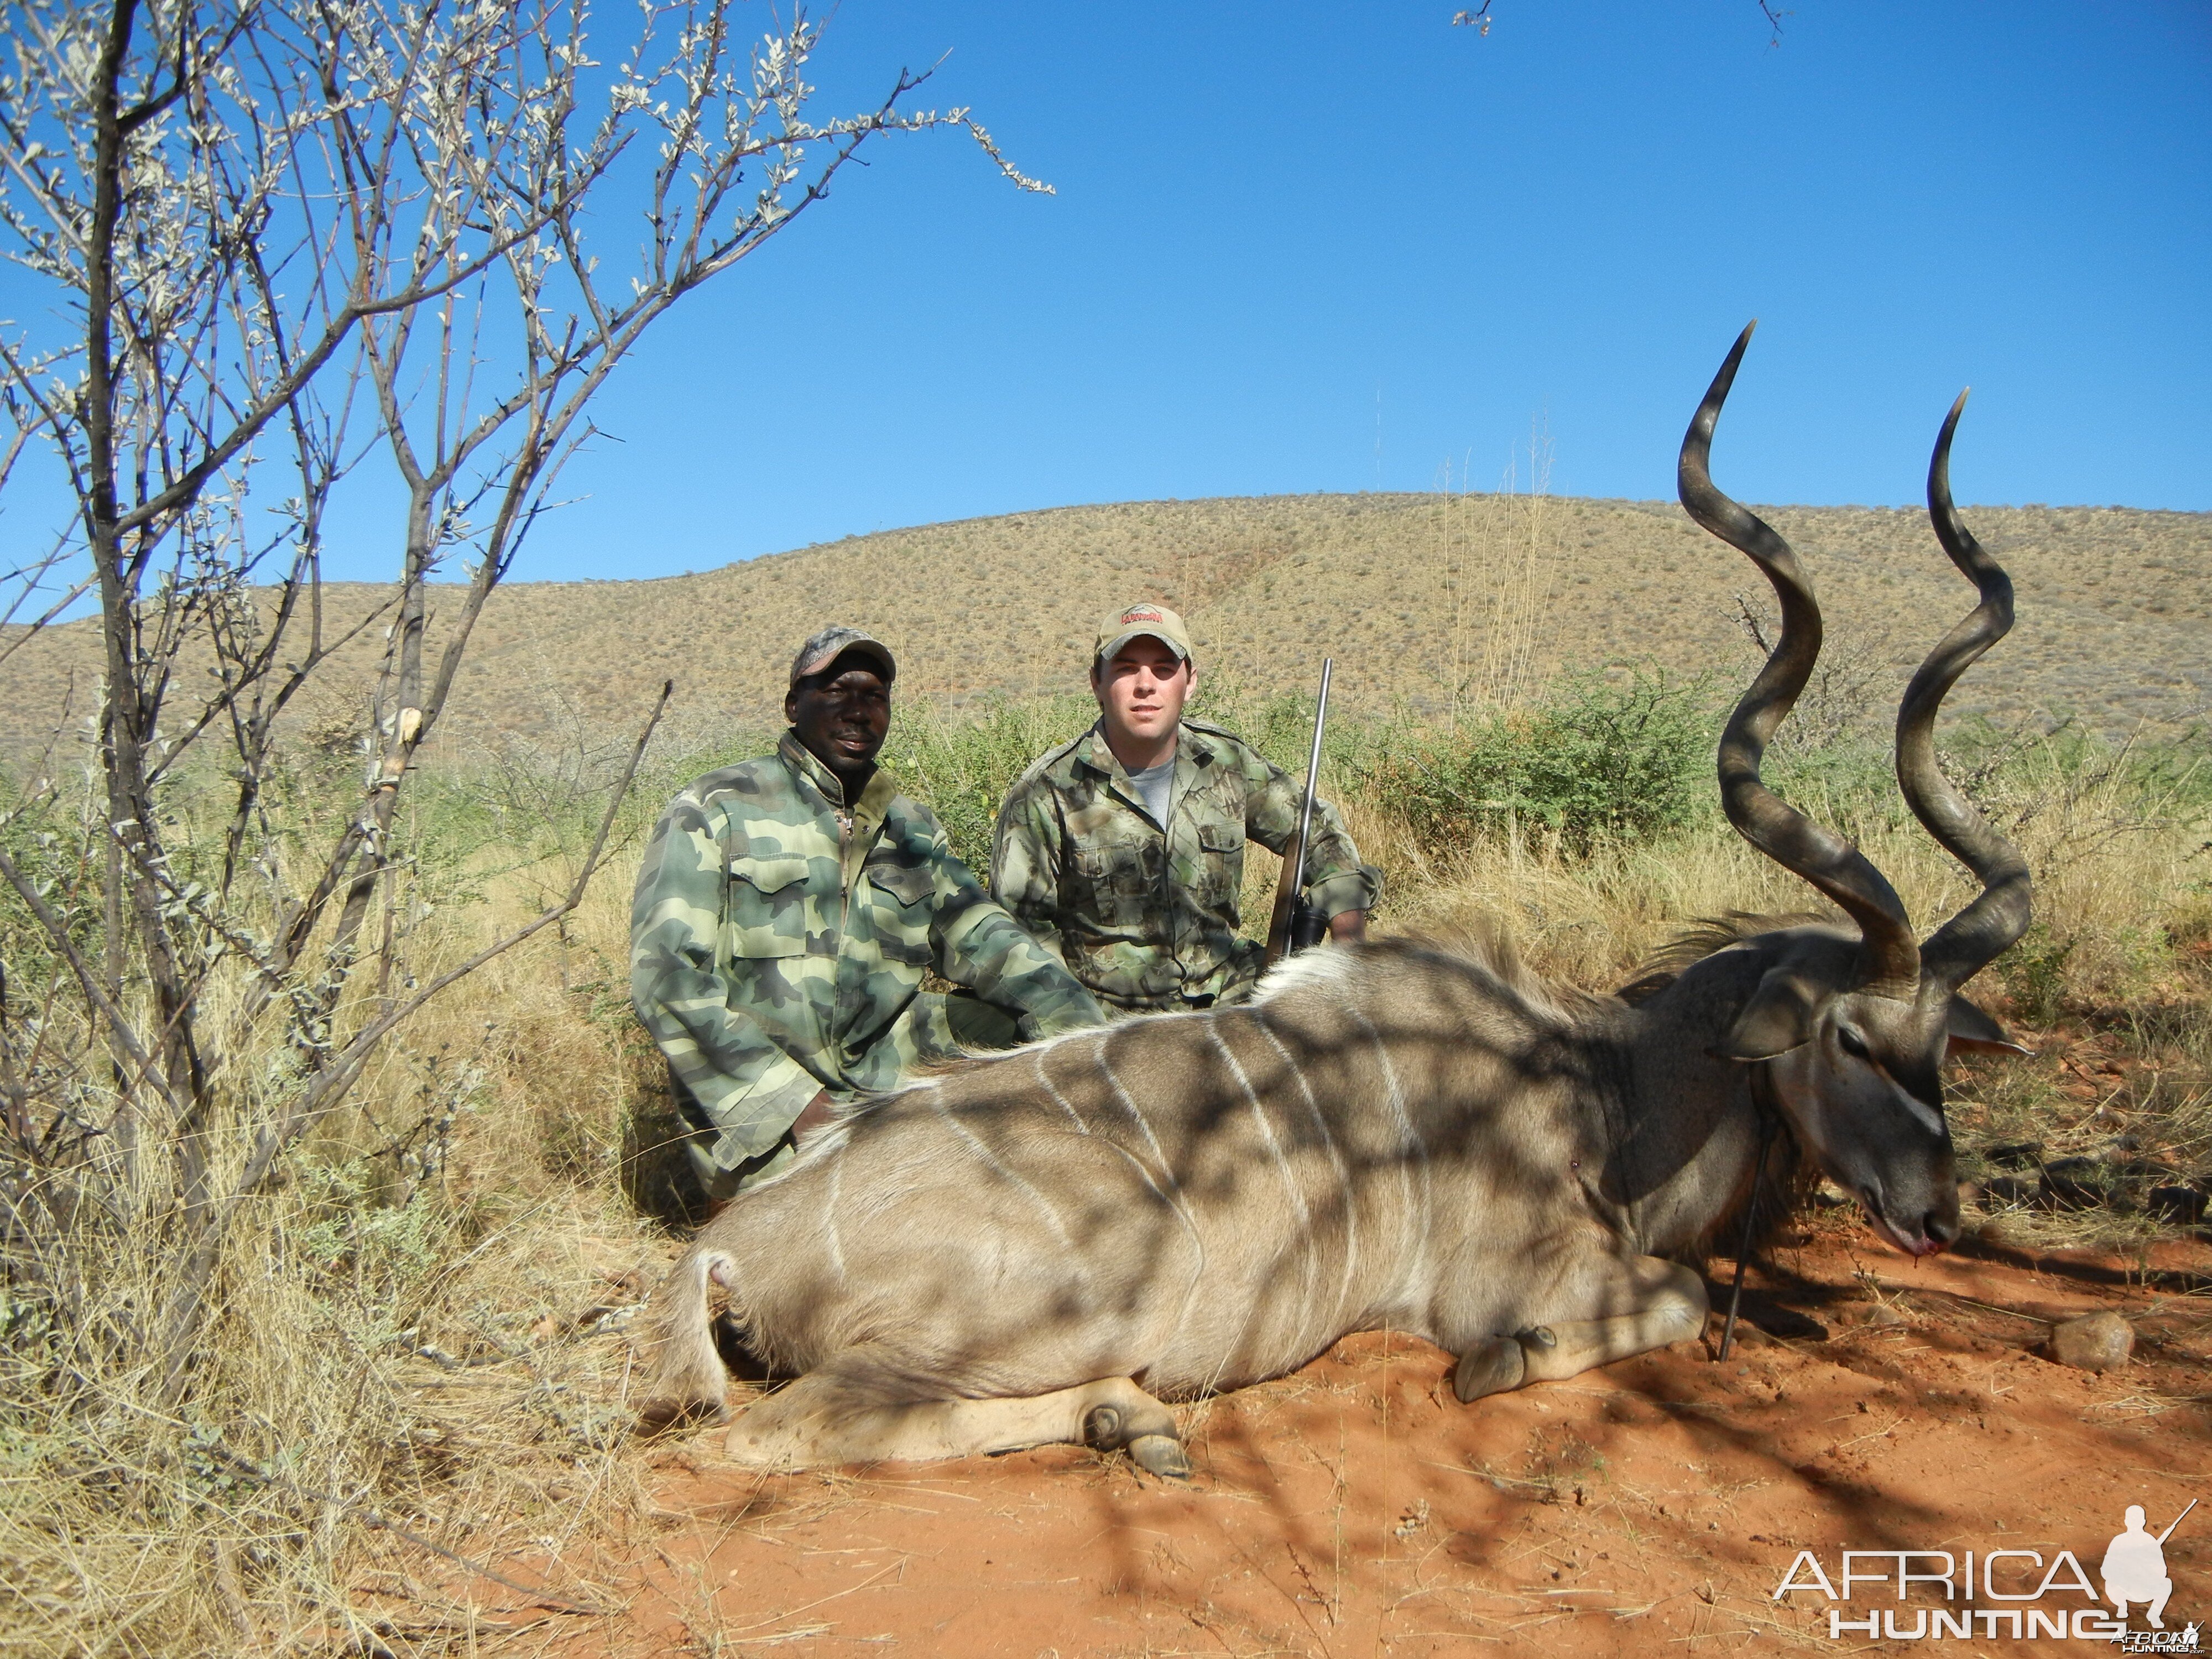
point(1043, 1246)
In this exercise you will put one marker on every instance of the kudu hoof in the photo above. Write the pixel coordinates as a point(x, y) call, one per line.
point(669, 1416)
point(1490, 1367)
point(1102, 1429)
point(1162, 1455)
point(1146, 1432)
point(1113, 1427)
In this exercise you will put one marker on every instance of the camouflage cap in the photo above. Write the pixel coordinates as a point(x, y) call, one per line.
point(833, 642)
point(1141, 621)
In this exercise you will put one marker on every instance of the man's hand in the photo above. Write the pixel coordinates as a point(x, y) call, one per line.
point(1348, 926)
point(818, 1114)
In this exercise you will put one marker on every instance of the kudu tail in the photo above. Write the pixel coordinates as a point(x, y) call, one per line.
point(685, 1378)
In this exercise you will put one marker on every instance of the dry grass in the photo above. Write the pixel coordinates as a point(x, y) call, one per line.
point(413, 1353)
point(2118, 882)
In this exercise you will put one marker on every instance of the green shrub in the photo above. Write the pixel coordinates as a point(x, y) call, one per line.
point(2035, 973)
point(1593, 763)
point(960, 765)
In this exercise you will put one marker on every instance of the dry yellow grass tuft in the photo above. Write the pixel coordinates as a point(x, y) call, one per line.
point(415, 1371)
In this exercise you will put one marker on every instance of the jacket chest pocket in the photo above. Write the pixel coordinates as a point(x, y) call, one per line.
point(767, 912)
point(1220, 861)
point(1221, 840)
point(1118, 880)
point(901, 906)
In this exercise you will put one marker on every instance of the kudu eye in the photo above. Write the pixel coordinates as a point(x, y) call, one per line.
point(1851, 1042)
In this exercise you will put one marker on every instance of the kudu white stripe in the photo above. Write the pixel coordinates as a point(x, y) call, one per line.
point(997, 1166)
point(1335, 1154)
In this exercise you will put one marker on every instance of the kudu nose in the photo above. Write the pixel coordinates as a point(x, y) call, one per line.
point(1940, 1230)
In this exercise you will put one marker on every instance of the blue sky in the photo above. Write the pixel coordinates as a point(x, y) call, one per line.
point(1311, 246)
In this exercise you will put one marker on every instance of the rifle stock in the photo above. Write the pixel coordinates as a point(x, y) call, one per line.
point(1278, 924)
point(1294, 926)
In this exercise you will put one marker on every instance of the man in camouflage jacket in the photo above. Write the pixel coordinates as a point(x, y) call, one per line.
point(1139, 896)
point(786, 914)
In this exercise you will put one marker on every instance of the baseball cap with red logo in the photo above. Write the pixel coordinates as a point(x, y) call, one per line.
point(1137, 622)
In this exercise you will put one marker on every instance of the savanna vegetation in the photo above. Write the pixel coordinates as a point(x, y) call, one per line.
point(414, 1370)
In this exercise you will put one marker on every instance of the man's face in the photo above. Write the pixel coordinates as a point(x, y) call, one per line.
point(1142, 691)
point(842, 714)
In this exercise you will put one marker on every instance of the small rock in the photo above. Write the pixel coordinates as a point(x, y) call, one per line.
point(2094, 1342)
point(2009, 1189)
point(2025, 1155)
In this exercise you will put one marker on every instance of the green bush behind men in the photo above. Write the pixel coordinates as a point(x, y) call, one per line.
point(786, 914)
point(1123, 852)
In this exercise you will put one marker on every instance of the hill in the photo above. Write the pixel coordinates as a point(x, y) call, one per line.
point(1414, 594)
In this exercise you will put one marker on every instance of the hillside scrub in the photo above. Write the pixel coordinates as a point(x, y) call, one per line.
point(416, 1365)
point(1592, 763)
point(1396, 585)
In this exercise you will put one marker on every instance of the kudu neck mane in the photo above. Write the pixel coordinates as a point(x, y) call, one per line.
point(1684, 1163)
point(1678, 1153)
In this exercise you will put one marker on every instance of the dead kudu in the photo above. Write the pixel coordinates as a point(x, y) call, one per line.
point(1044, 1246)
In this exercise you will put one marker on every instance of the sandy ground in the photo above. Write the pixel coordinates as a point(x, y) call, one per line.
point(1357, 1509)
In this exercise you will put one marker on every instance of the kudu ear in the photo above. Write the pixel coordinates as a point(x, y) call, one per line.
point(1974, 1032)
point(1779, 1017)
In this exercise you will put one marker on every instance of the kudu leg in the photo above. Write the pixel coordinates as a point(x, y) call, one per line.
point(1672, 1301)
point(817, 1420)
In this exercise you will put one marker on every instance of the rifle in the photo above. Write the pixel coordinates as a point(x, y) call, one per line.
point(1295, 925)
point(2177, 1520)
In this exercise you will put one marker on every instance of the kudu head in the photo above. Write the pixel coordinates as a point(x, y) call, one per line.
point(1854, 1034)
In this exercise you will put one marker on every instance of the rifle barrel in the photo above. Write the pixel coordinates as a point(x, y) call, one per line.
point(2177, 1520)
point(1293, 880)
point(1297, 878)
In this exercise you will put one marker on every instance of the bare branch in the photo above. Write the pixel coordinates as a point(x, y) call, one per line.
point(117, 1025)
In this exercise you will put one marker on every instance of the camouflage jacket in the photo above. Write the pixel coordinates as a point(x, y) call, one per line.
point(776, 939)
point(1146, 915)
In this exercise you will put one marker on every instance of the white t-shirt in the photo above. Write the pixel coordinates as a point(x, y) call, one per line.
point(1155, 785)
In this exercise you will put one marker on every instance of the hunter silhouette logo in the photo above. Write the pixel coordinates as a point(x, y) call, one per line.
point(2000, 1594)
point(2134, 1567)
